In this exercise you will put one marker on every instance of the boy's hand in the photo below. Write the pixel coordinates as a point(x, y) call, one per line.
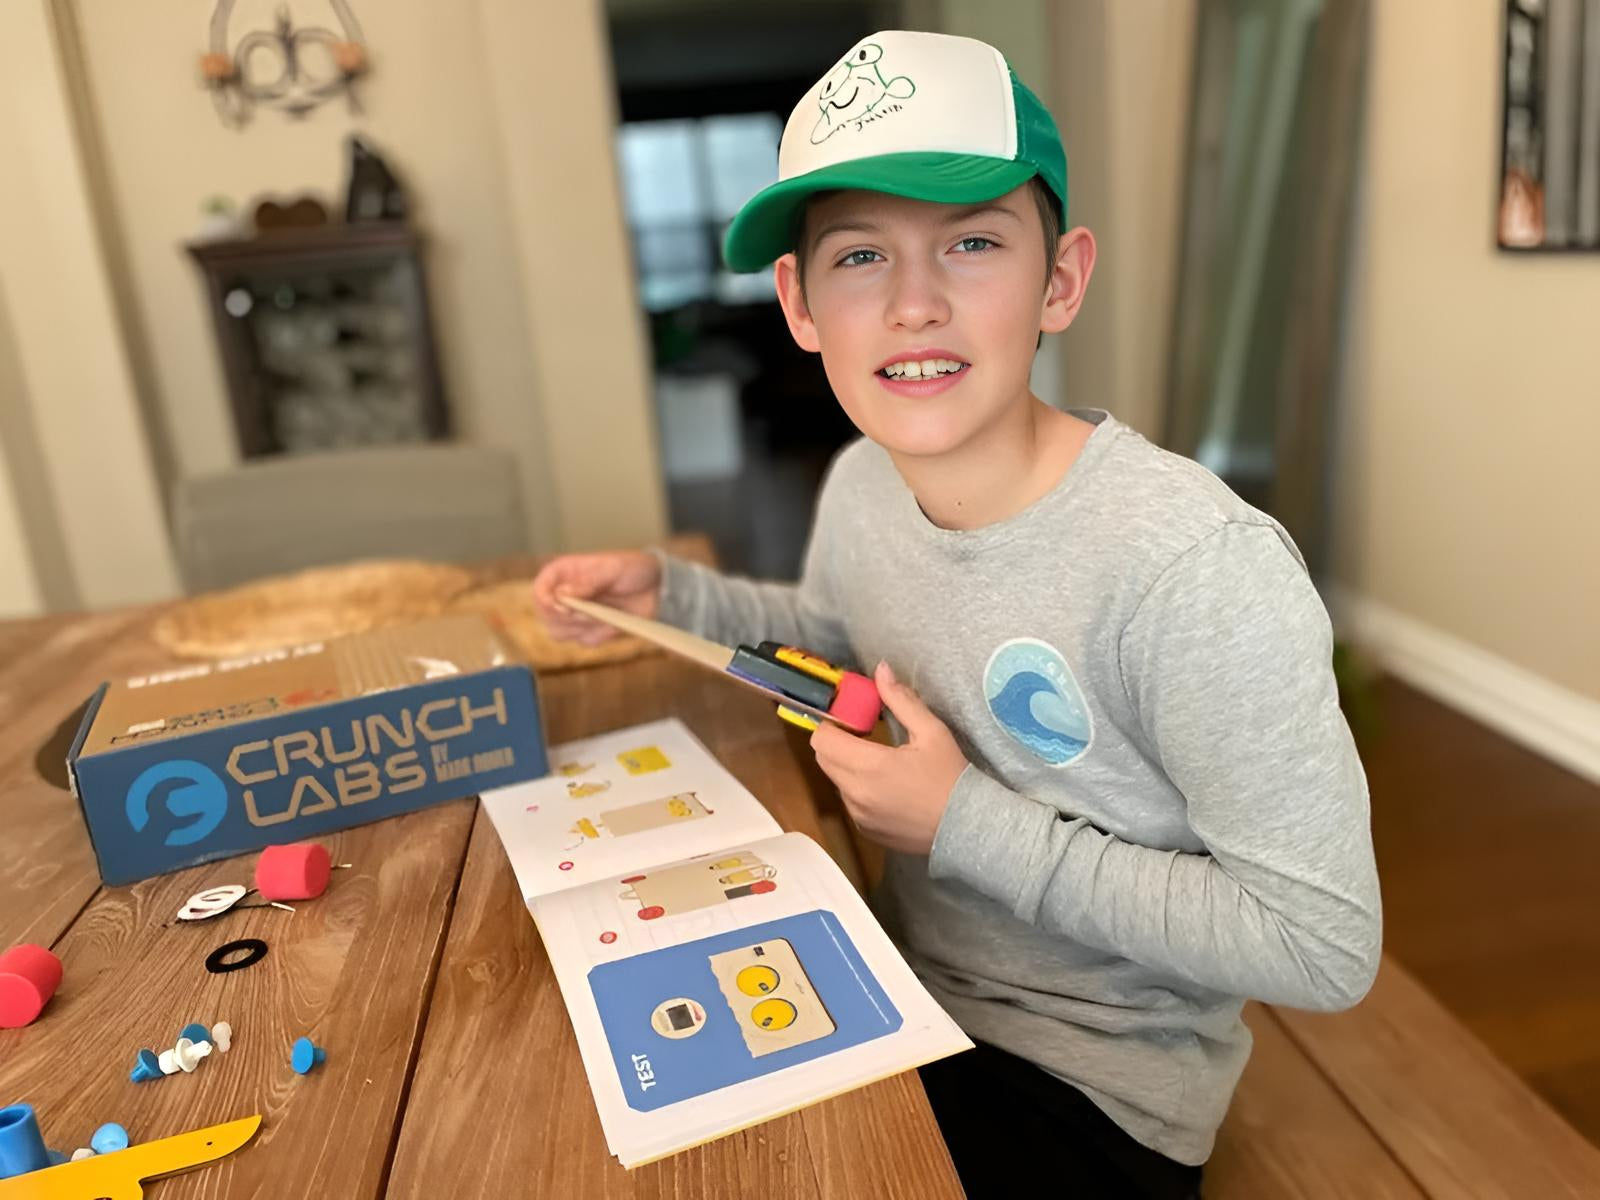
point(629, 580)
point(896, 794)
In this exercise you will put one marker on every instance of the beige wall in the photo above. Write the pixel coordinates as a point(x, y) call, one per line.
point(550, 68)
point(80, 470)
point(19, 583)
point(21, 593)
point(1121, 94)
point(1468, 484)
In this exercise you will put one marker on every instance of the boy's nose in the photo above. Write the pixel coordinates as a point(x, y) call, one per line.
point(917, 300)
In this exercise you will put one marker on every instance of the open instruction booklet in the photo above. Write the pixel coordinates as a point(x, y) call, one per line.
point(718, 971)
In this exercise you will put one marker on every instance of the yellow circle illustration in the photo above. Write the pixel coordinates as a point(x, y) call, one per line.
point(773, 1013)
point(757, 980)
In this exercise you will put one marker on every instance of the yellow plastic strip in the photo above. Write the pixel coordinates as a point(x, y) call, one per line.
point(796, 718)
point(811, 665)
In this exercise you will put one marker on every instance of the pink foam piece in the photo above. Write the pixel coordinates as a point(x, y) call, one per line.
point(297, 872)
point(29, 976)
point(856, 702)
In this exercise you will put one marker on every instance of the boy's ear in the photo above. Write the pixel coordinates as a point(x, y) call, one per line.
point(1069, 280)
point(786, 279)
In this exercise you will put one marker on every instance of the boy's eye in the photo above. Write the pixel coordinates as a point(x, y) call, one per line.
point(859, 258)
point(974, 245)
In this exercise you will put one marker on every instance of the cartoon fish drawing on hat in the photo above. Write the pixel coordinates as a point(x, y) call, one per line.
point(854, 88)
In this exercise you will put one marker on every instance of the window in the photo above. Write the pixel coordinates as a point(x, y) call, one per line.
point(682, 183)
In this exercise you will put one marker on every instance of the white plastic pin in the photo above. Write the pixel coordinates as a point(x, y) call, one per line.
point(222, 1035)
point(188, 1054)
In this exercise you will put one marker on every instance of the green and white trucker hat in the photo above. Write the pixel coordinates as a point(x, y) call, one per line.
point(923, 115)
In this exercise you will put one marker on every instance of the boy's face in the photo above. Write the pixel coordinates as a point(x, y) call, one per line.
point(891, 282)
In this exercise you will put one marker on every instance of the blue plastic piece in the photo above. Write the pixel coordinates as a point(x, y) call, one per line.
point(21, 1147)
point(146, 1067)
point(109, 1138)
point(196, 1032)
point(304, 1056)
point(57, 1157)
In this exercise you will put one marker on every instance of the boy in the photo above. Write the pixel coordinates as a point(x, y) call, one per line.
point(1122, 796)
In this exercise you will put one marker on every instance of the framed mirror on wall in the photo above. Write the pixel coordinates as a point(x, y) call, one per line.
point(1550, 132)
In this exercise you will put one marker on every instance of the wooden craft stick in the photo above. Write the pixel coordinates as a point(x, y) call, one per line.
point(668, 637)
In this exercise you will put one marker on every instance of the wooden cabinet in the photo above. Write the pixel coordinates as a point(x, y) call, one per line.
point(325, 337)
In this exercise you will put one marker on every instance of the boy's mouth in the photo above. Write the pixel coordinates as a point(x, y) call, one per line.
point(923, 368)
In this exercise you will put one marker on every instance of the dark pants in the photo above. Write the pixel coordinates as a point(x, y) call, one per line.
point(1010, 1125)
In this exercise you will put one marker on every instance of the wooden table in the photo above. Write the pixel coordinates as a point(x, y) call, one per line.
point(452, 1070)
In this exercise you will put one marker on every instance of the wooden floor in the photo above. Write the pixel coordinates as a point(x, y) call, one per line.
point(1490, 862)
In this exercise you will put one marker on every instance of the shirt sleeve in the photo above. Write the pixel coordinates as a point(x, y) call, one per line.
point(1228, 663)
point(737, 611)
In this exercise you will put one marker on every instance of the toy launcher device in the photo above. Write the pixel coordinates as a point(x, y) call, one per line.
point(807, 689)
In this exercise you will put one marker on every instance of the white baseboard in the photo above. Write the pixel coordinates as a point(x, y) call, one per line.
point(1549, 719)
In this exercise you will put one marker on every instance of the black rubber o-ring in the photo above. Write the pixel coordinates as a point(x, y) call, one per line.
point(255, 950)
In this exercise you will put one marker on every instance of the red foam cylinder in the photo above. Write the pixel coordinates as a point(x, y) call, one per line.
point(297, 872)
point(856, 702)
point(29, 976)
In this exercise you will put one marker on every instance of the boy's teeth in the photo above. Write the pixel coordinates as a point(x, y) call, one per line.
point(923, 369)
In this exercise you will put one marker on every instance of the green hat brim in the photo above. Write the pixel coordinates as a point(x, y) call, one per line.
point(765, 227)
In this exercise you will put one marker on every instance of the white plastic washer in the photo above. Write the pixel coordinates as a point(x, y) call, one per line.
point(212, 902)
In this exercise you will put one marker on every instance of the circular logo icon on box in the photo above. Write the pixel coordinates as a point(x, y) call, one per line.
point(199, 795)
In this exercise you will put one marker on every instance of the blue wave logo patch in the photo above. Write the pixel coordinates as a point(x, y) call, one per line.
point(1036, 699)
point(199, 795)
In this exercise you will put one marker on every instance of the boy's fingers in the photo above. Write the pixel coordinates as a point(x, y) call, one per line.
point(544, 590)
point(849, 754)
point(904, 703)
point(823, 741)
point(828, 740)
point(827, 770)
point(591, 576)
point(573, 576)
point(565, 625)
point(581, 576)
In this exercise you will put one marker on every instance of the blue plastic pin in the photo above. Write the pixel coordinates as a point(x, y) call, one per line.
point(57, 1157)
point(146, 1067)
point(305, 1055)
point(22, 1147)
point(196, 1032)
point(109, 1138)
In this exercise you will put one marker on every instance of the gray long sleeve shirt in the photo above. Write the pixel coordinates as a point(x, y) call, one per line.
point(1164, 812)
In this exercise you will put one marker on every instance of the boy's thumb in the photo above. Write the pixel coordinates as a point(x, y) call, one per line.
point(905, 704)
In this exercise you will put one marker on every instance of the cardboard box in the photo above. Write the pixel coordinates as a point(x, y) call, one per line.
point(216, 759)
